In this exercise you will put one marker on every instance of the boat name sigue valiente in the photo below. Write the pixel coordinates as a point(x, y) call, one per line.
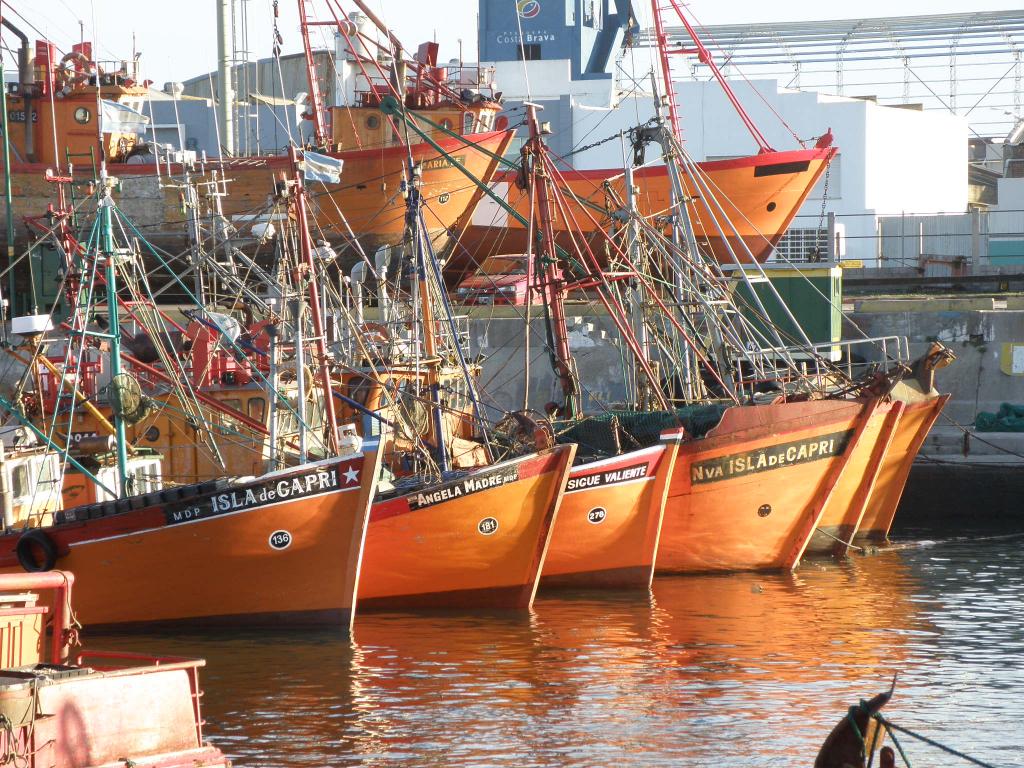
point(637, 472)
point(763, 459)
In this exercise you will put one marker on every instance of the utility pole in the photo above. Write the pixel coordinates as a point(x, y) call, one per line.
point(225, 90)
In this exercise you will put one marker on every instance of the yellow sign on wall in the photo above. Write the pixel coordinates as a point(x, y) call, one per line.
point(1011, 361)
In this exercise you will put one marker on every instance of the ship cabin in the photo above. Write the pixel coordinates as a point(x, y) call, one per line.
point(59, 97)
point(450, 100)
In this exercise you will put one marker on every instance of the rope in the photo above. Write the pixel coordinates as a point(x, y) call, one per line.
point(974, 436)
point(891, 726)
point(849, 544)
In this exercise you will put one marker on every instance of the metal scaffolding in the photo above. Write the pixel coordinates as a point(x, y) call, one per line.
point(965, 63)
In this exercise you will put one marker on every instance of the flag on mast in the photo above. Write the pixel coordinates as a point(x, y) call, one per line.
point(119, 118)
point(317, 167)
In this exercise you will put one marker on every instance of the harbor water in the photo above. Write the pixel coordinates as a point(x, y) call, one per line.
point(725, 670)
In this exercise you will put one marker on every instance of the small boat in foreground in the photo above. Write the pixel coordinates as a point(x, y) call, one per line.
point(63, 708)
point(852, 743)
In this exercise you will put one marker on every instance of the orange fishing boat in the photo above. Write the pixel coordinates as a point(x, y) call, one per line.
point(66, 708)
point(477, 541)
point(914, 424)
point(868, 493)
point(846, 507)
point(282, 547)
point(757, 198)
point(749, 495)
point(607, 530)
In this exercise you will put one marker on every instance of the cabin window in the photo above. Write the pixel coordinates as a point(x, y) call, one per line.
point(19, 481)
point(230, 422)
point(485, 119)
point(257, 408)
point(48, 473)
point(528, 52)
point(467, 122)
point(373, 122)
point(359, 389)
point(447, 124)
point(140, 480)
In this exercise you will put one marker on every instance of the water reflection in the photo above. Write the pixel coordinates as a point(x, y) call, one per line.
point(743, 670)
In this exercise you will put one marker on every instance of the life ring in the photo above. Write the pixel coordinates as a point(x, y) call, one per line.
point(68, 75)
point(26, 557)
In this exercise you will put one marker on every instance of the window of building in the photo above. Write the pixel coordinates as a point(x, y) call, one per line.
point(528, 52)
point(804, 245)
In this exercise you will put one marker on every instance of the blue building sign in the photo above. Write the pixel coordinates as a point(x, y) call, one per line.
point(586, 32)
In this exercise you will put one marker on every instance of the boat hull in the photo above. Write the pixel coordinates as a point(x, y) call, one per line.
point(283, 548)
point(606, 533)
point(759, 196)
point(476, 542)
point(369, 194)
point(749, 495)
point(915, 423)
point(845, 510)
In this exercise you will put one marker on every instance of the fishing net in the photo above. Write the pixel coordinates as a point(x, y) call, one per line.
point(614, 431)
point(1010, 418)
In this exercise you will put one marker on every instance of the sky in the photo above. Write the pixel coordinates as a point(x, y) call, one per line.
point(177, 39)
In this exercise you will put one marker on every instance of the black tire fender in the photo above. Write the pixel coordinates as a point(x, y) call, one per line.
point(35, 538)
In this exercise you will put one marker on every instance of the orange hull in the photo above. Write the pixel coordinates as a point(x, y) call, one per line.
point(847, 506)
point(910, 434)
point(749, 495)
point(289, 551)
point(478, 541)
point(607, 530)
point(759, 196)
point(369, 194)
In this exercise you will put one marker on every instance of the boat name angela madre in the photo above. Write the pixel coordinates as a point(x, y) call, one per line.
point(465, 487)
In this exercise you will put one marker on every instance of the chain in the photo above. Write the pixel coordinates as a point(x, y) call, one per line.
point(824, 202)
point(598, 143)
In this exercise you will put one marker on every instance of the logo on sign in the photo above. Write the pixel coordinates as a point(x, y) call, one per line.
point(597, 515)
point(280, 540)
point(487, 526)
point(528, 9)
point(443, 198)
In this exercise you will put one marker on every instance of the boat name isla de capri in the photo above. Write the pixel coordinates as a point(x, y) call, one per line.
point(271, 491)
point(770, 457)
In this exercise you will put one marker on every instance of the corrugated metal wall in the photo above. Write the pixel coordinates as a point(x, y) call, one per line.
point(930, 241)
point(264, 78)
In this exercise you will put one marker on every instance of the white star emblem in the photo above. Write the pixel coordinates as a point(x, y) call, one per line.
point(351, 475)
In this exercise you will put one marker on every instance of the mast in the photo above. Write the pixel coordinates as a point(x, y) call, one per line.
point(106, 205)
point(8, 199)
point(316, 101)
point(705, 57)
point(552, 287)
point(306, 252)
